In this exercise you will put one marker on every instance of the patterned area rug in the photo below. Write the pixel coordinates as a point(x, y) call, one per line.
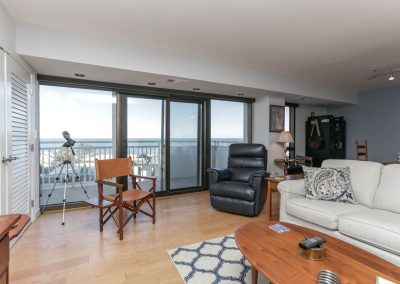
point(211, 262)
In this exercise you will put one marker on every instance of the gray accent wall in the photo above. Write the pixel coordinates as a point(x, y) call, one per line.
point(376, 118)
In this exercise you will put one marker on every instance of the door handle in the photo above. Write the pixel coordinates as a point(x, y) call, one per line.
point(9, 159)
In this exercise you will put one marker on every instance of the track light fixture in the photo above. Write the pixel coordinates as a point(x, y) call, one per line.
point(390, 75)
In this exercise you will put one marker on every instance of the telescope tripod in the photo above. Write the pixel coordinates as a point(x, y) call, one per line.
point(65, 165)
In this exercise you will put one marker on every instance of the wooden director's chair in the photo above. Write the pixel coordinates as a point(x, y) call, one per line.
point(131, 199)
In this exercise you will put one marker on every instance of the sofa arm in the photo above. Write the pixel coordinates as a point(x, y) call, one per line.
point(292, 187)
point(216, 175)
point(289, 189)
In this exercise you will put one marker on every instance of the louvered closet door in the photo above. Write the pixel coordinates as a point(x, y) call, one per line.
point(18, 138)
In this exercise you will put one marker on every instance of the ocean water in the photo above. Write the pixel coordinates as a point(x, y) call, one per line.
point(107, 142)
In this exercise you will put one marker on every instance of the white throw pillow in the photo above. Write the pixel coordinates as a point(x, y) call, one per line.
point(328, 184)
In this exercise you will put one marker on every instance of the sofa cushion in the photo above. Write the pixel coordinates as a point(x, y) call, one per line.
point(387, 196)
point(233, 189)
point(364, 176)
point(320, 212)
point(328, 184)
point(377, 227)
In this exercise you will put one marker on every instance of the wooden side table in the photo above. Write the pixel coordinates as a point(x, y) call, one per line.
point(10, 227)
point(272, 185)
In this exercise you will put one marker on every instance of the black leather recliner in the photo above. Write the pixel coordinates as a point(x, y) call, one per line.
point(241, 187)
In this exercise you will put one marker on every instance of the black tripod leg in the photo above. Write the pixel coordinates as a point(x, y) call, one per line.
point(52, 190)
point(76, 175)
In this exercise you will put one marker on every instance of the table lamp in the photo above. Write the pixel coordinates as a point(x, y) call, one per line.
point(285, 137)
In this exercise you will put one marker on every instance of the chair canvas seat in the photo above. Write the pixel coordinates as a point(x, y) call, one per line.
point(100, 203)
point(134, 195)
point(130, 195)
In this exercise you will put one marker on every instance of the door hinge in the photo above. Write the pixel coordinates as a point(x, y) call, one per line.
point(30, 89)
point(32, 203)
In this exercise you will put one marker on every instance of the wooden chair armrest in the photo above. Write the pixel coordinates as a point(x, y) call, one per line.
point(145, 177)
point(110, 183)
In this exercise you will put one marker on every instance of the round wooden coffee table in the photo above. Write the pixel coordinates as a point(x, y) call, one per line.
point(278, 257)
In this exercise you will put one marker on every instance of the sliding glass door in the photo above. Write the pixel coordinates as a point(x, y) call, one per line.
point(185, 145)
point(164, 138)
point(145, 143)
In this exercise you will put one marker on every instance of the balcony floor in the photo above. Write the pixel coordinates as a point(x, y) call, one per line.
point(79, 253)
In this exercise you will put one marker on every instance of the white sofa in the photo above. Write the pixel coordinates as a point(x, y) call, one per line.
point(373, 224)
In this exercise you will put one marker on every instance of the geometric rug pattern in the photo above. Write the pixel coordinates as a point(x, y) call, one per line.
point(213, 261)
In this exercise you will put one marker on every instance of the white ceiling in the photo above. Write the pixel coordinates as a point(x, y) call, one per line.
point(333, 42)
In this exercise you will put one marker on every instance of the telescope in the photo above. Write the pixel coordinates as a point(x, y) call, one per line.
point(70, 142)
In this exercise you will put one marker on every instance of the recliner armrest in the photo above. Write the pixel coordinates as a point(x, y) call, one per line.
point(292, 186)
point(216, 175)
point(258, 174)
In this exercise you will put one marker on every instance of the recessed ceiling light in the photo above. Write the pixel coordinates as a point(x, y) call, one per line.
point(79, 75)
point(241, 94)
point(196, 89)
point(151, 83)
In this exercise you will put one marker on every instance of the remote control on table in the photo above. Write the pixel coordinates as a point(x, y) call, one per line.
point(312, 243)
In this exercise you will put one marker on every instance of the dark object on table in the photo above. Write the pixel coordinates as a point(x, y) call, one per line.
point(332, 136)
point(314, 248)
point(240, 188)
point(297, 167)
point(312, 243)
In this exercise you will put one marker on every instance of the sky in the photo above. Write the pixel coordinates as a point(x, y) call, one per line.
point(89, 114)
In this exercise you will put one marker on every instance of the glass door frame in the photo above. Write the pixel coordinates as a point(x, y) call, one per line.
point(121, 90)
point(201, 141)
point(203, 155)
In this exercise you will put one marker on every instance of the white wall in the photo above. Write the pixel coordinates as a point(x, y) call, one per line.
point(52, 44)
point(8, 37)
point(7, 30)
point(261, 132)
point(275, 149)
point(261, 121)
point(302, 113)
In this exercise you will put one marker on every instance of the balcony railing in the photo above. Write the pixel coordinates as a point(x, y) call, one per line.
point(146, 153)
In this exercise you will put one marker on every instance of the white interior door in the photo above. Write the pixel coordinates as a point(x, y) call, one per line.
point(16, 159)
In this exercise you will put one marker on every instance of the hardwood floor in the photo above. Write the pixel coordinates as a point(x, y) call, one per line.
point(79, 253)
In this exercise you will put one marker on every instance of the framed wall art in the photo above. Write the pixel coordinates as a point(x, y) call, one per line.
point(276, 118)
